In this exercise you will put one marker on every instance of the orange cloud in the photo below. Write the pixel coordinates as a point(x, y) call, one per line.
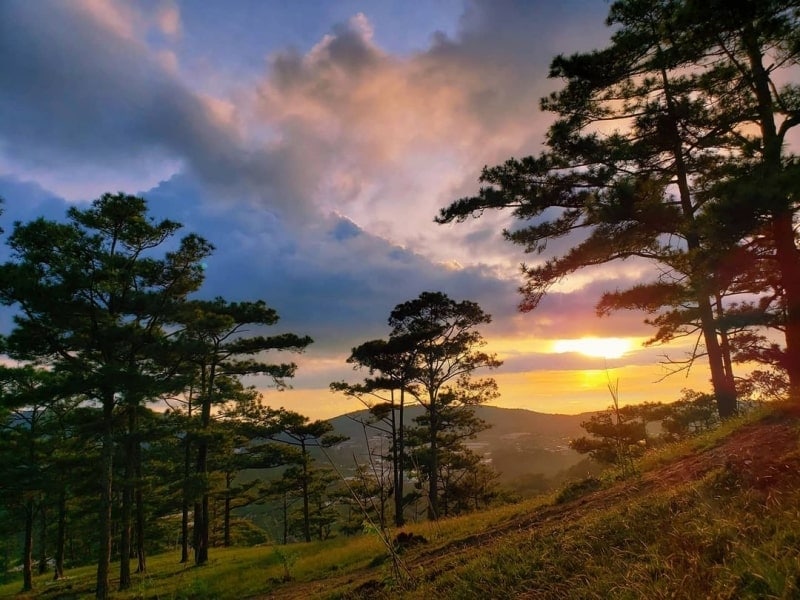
point(402, 132)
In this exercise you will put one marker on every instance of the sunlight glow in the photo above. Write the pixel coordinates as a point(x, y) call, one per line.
point(600, 347)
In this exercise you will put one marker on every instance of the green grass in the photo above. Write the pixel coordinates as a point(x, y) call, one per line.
point(242, 572)
point(230, 573)
point(713, 538)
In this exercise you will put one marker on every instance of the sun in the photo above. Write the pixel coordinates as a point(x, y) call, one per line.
point(593, 346)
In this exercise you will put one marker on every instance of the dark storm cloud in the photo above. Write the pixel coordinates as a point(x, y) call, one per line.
point(75, 91)
point(23, 201)
point(511, 42)
point(332, 280)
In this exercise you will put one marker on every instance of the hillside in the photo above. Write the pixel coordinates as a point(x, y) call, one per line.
point(715, 517)
point(528, 449)
point(721, 521)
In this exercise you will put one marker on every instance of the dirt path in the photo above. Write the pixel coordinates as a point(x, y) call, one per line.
point(763, 455)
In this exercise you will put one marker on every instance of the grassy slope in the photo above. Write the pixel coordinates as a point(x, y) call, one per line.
point(715, 518)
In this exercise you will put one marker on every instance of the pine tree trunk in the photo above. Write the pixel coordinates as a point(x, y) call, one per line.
point(724, 393)
point(205, 533)
point(102, 590)
point(786, 251)
point(187, 452)
point(27, 549)
point(397, 492)
point(285, 518)
point(306, 511)
point(61, 534)
point(200, 553)
point(201, 513)
point(433, 475)
point(201, 536)
point(789, 266)
point(125, 538)
point(724, 344)
point(185, 530)
point(141, 560)
point(227, 516)
point(399, 518)
point(126, 511)
point(202, 519)
point(43, 540)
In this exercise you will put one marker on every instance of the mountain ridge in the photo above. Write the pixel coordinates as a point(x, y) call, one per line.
point(501, 419)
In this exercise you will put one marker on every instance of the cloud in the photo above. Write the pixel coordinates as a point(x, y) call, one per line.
point(168, 19)
point(338, 283)
point(407, 135)
point(318, 177)
point(89, 107)
point(79, 89)
point(24, 201)
point(95, 101)
point(331, 279)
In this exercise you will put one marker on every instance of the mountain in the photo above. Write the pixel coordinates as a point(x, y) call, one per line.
point(518, 443)
point(503, 421)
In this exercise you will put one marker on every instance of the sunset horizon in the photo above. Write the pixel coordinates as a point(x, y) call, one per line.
point(314, 152)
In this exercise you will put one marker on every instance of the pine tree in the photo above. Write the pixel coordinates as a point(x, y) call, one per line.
point(93, 303)
point(447, 352)
point(219, 353)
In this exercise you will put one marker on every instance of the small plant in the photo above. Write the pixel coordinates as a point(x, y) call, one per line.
point(407, 539)
point(618, 435)
point(196, 590)
point(577, 489)
point(287, 559)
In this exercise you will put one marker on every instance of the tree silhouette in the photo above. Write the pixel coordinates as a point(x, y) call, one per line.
point(447, 352)
point(93, 302)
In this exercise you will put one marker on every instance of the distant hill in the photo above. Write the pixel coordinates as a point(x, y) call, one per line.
point(519, 442)
point(503, 421)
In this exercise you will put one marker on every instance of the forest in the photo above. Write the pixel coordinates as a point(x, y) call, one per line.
point(129, 423)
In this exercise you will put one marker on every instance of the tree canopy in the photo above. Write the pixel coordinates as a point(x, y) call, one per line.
point(651, 150)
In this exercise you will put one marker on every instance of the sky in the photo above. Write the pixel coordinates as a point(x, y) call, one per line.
point(313, 143)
